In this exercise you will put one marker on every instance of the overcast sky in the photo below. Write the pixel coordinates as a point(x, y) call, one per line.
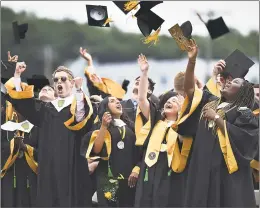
point(242, 15)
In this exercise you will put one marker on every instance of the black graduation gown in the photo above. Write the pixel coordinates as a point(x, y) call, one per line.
point(209, 182)
point(121, 161)
point(19, 184)
point(63, 175)
point(155, 191)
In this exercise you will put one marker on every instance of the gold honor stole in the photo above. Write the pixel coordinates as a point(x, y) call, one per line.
point(176, 159)
point(213, 87)
point(107, 86)
point(107, 141)
point(28, 93)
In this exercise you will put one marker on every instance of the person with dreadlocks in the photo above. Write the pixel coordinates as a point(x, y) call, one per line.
point(225, 133)
point(114, 144)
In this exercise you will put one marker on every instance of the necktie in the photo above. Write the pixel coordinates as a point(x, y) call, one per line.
point(61, 103)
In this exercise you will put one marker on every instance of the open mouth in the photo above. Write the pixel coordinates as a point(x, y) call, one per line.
point(119, 107)
point(168, 106)
point(59, 88)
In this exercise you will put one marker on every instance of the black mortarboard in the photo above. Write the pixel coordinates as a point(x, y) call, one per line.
point(97, 15)
point(7, 70)
point(39, 81)
point(148, 21)
point(217, 27)
point(122, 5)
point(147, 5)
point(186, 28)
point(238, 64)
point(19, 31)
point(125, 84)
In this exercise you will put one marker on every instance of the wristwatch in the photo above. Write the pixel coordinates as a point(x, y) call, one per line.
point(216, 117)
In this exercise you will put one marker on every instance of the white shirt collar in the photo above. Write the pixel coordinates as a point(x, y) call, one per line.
point(67, 101)
point(119, 123)
point(24, 126)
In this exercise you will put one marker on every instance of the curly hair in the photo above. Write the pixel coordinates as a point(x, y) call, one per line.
point(244, 98)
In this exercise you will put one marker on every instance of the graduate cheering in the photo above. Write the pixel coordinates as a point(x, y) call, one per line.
point(162, 162)
point(118, 170)
point(225, 141)
point(63, 179)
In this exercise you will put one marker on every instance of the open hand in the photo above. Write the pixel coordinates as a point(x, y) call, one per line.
point(10, 58)
point(193, 50)
point(143, 63)
point(132, 180)
point(106, 119)
point(84, 53)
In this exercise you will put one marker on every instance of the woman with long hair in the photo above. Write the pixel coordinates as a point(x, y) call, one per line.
point(114, 144)
point(164, 159)
point(225, 133)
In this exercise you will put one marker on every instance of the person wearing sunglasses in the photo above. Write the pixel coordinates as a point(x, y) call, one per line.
point(63, 175)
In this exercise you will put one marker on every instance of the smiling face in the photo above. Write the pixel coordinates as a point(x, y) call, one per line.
point(171, 107)
point(63, 84)
point(231, 89)
point(136, 88)
point(47, 94)
point(115, 107)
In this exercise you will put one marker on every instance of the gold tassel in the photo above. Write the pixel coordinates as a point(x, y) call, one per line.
point(154, 38)
point(128, 6)
point(9, 111)
point(108, 20)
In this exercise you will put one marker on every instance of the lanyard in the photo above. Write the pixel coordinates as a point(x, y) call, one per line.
point(122, 133)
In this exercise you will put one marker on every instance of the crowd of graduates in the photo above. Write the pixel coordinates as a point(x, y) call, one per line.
point(192, 146)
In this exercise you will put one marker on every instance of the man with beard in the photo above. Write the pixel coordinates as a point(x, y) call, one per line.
point(63, 175)
point(130, 105)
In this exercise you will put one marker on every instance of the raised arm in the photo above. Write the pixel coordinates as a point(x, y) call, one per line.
point(143, 86)
point(189, 81)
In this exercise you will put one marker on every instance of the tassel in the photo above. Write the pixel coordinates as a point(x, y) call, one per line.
point(152, 38)
point(8, 111)
point(108, 20)
point(110, 175)
point(130, 5)
point(146, 175)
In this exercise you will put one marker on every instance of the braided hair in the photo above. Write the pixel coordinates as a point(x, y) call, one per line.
point(244, 98)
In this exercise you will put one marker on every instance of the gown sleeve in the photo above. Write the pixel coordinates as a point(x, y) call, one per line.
point(31, 109)
point(244, 135)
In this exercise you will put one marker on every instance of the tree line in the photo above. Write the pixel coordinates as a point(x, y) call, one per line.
point(105, 44)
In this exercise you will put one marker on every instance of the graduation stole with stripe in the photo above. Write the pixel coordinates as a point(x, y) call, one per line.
point(28, 93)
point(176, 159)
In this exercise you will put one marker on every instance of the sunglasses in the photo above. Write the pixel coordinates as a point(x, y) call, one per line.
point(63, 79)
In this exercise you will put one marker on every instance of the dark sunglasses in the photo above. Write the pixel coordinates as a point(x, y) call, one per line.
point(63, 79)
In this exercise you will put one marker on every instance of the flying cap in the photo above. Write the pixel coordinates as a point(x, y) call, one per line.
point(182, 35)
point(238, 64)
point(216, 27)
point(126, 6)
point(97, 16)
point(19, 31)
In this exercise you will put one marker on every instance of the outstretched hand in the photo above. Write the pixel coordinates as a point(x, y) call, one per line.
point(143, 63)
point(192, 50)
point(10, 58)
point(84, 53)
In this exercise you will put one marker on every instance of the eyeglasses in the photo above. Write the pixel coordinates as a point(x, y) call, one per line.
point(63, 79)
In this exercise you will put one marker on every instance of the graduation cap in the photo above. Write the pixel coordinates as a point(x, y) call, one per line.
point(126, 6)
point(182, 34)
point(125, 84)
point(238, 64)
point(216, 27)
point(148, 21)
point(19, 31)
point(148, 5)
point(7, 70)
point(39, 81)
point(97, 16)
